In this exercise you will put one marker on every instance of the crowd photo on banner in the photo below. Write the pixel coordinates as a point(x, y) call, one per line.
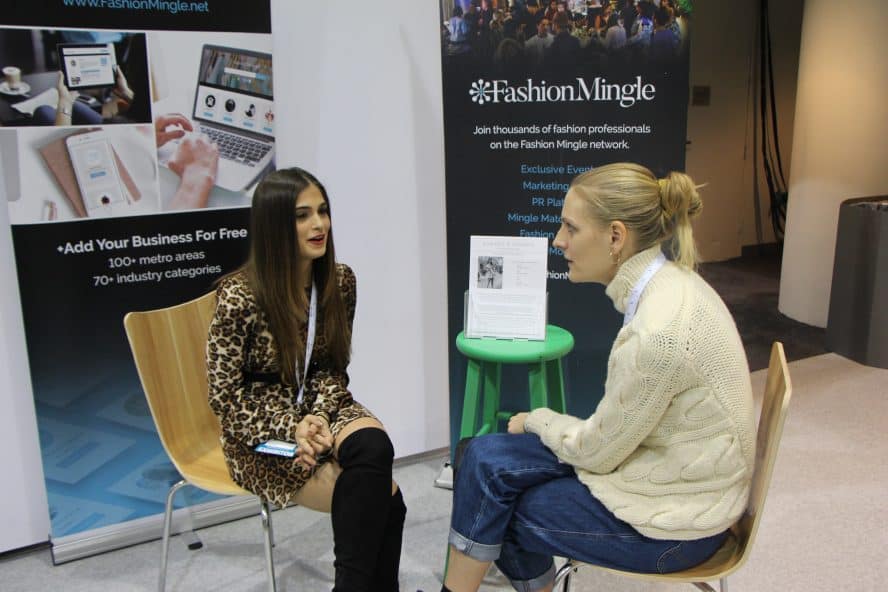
point(514, 37)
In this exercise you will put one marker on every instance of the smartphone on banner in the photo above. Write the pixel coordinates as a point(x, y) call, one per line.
point(96, 171)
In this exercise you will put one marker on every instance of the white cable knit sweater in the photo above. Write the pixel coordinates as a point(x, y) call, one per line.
point(670, 447)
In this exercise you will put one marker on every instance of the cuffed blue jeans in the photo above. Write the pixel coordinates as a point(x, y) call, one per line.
point(516, 504)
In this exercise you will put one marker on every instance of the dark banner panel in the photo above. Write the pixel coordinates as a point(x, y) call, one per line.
point(128, 158)
point(78, 280)
point(102, 460)
point(533, 96)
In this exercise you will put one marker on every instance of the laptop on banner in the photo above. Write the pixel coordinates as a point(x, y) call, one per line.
point(234, 106)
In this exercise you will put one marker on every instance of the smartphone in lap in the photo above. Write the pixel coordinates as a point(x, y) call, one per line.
point(278, 447)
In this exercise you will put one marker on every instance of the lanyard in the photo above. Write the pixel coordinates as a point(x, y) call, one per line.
point(310, 339)
point(632, 305)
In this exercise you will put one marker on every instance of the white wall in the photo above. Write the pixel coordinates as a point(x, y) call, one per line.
point(24, 512)
point(840, 144)
point(363, 111)
point(724, 56)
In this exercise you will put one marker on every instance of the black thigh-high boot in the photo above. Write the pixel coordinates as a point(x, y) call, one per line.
point(360, 508)
point(386, 578)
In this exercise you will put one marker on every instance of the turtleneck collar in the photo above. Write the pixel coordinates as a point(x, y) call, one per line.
point(628, 274)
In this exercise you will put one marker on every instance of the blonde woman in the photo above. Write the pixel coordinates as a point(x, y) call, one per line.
point(656, 476)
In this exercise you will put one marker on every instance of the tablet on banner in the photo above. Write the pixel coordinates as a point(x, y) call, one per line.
point(507, 288)
point(88, 65)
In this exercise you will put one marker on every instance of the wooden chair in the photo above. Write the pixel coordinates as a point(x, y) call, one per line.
point(735, 551)
point(169, 348)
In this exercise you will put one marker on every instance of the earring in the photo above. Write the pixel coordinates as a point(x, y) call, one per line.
point(617, 260)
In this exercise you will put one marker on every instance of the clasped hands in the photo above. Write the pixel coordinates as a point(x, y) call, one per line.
point(314, 438)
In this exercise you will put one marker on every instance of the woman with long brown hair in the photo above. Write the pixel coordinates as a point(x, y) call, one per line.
point(277, 353)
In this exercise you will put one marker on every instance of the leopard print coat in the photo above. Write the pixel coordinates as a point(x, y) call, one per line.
point(252, 412)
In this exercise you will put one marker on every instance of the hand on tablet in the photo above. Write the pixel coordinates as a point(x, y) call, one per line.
point(65, 106)
point(122, 88)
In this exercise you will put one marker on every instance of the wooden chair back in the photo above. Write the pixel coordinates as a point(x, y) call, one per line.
point(169, 349)
point(775, 403)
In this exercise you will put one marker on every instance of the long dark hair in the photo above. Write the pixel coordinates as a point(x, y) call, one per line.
point(275, 276)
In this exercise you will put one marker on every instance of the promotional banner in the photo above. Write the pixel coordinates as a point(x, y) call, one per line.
point(132, 135)
point(536, 93)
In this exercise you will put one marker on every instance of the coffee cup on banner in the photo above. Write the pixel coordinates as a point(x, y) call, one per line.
point(13, 77)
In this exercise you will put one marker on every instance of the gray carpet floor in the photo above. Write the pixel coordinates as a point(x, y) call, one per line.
point(823, 528)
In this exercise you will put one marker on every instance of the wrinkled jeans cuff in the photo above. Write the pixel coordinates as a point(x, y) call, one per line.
point(537, 583)
point(477, 551)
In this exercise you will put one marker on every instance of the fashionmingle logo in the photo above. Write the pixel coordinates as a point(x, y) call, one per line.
point(531, 91)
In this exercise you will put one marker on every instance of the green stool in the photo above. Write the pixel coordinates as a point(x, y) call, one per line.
point(486, 357)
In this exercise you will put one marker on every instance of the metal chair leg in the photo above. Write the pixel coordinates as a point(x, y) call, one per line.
point(270, 526)
point(167, 524)
point(186, 530)
point(564, 572)
point(265, 510)
point(563, 575)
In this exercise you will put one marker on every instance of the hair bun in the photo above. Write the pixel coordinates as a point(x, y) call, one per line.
point(679, 198)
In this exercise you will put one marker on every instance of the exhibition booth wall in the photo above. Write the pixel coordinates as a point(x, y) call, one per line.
point(362, 110)
point(359, 103)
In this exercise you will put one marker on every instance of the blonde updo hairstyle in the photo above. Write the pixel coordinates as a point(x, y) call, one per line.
point(655, 210)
